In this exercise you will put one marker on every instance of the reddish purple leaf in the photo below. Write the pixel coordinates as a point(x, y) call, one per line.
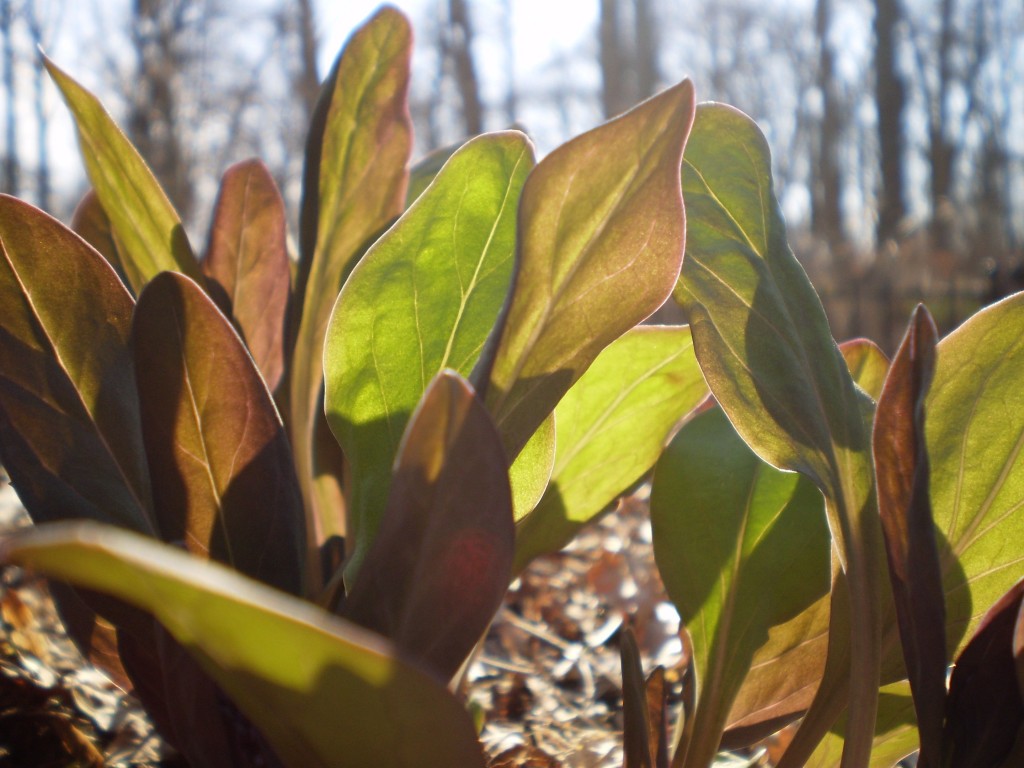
point(223, 481)
point(1018, 649)
point(645, 712)
point(182, 701)
point(636, 717)
point(657, 706)
point(70, 434)
point(985, 706)
point(901, 471)
point(247, 260)
point(442, 559)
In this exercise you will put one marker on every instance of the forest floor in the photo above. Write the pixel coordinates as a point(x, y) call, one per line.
point(546, 682)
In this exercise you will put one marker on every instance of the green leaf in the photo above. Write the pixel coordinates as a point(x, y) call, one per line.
point(422, 299)
point(901, 471)
point(786, 672)
point(424, 172)
point(973, 421)
point(742, 548)
point(247, 262)
point(323, 691)
point(149, 233)
point(530, 473)
point(354, 185)
point(867, 363)
point(91, 223)
point(764, 345)
point(70, 430)
point(611, 428)
point(784, 675)
point(223, 480)
point(974, 428)
point(441, 563)
point(895, 732)
point(600, 238)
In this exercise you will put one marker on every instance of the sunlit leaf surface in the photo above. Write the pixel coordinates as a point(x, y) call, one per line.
point(764, 345)
point(895, 732)
point(248, 260)
point(611, 427)
point(149, 233)
point(600, 239)
point(91, 223)
point(974, 428)
point(323, 691)
point(867, 363)
point(354, 184)
point(422, 299)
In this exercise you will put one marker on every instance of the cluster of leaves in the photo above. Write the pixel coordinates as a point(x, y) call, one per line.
point(291, 494)
point(842, 589)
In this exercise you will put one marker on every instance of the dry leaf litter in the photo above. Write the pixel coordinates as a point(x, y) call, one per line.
point(546, 684)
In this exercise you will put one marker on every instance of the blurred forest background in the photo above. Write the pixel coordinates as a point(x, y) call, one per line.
point(897, 126)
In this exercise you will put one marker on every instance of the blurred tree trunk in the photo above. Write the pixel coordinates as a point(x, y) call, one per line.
point(890, 102)
point(615, 97)
point(308, 80)
point(508, 44)
point(36, 35)
point(992, 211)
point(158, 32)
point(647, 73)
point(460, 49)
point(11, 160)
point(826, 210)
point(941, 152)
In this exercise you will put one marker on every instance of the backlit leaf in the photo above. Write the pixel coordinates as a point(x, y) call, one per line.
point(974, 428)
point(248, 260)
point(726, 526)
point(901, 469)
point(328, 694)
point(600, 238)
point(223, 480)
point(149, 233)
point(422, 299)
point(867, 363)
point(91, 223)
point(530, 473)
point(423, 173)
point(895, 733)
point(787, 670)
point(441, 563)
point(763, 342)
point(611, 427)
point(70, 430)
point(973, 422)
point(354, 184)
point(783, 678)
